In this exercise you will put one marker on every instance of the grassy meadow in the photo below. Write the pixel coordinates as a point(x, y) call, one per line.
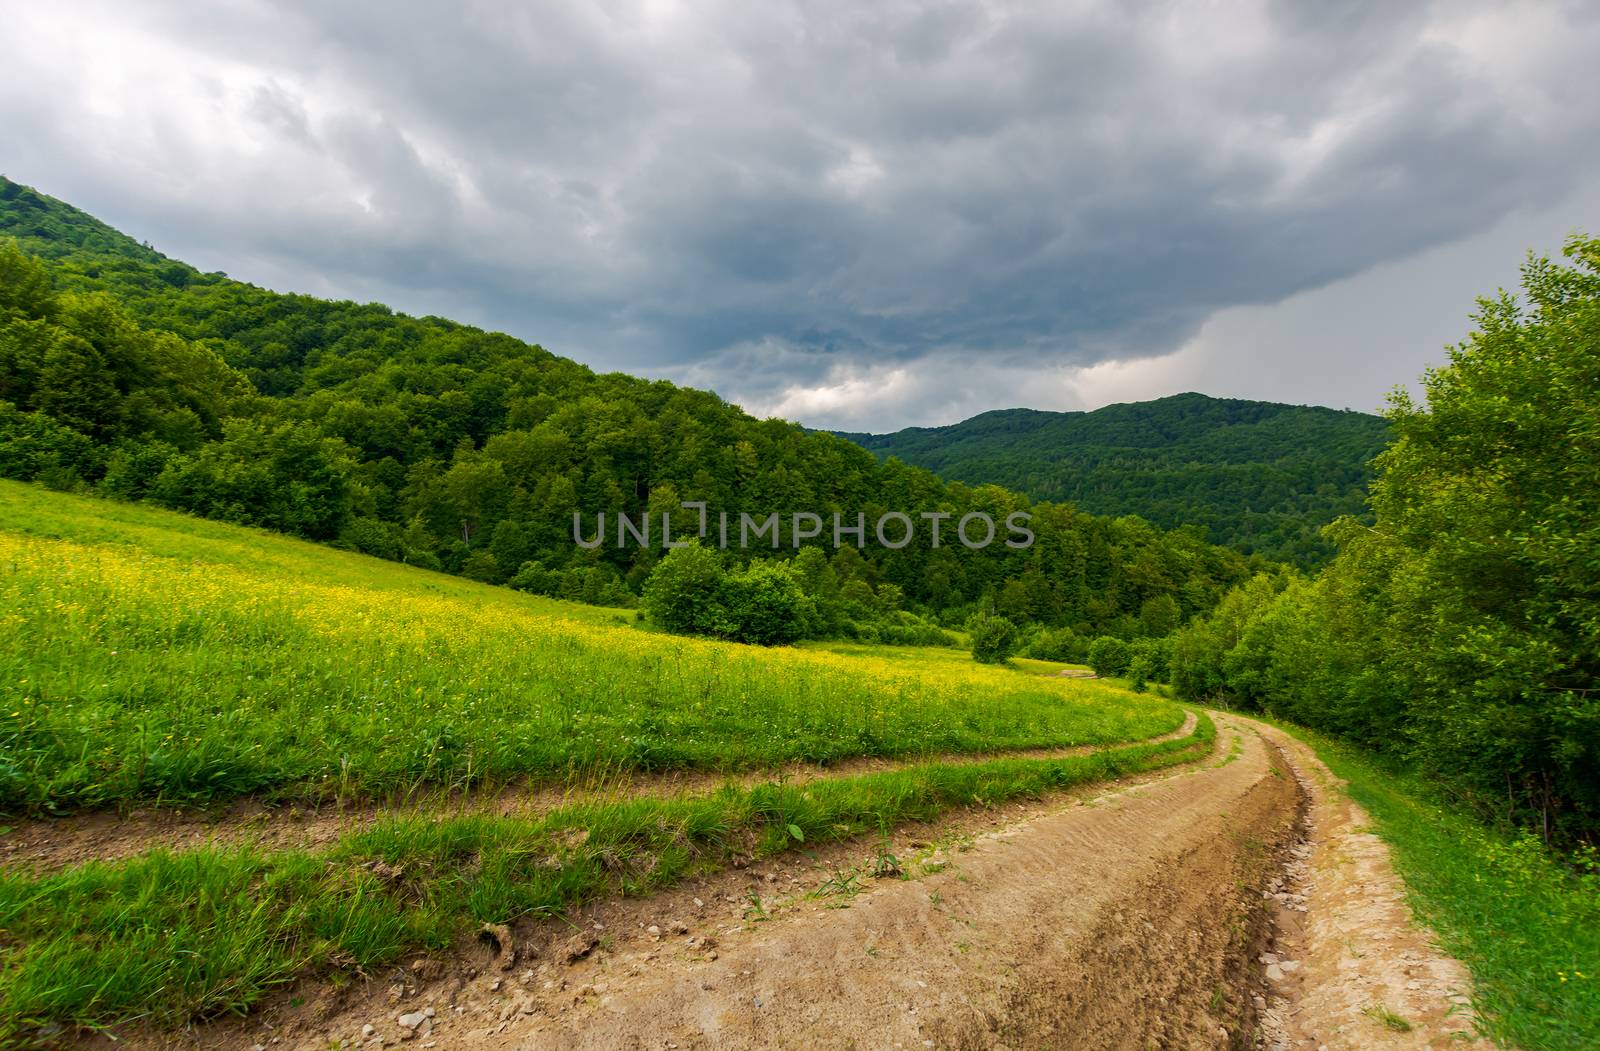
point(150, 657)
point(145, 655)
point(931, 657)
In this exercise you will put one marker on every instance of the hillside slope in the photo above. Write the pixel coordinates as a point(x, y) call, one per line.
point(290, 668)
point(484, 756)
point(1258, 476)
point(445, 446)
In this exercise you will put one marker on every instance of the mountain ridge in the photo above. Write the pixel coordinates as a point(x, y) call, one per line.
point(1260, 476)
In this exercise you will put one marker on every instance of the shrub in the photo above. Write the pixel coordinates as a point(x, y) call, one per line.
point(994, 638)
point(482, 566)
point(763, 605)
point(366, 535)
point(286, 477)
point(1152, 656)
point(691, 592)
point(1160, 615)
point(916, 633)
point(603, 587)
point(534, 579)
point(683, 592)
point(1059, 644)
point(1109, 655)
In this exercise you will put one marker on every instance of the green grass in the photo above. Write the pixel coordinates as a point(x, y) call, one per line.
point(146, 655)
point(1524, 922)
point(32, 511)
point(1381, 1014)
point(171, 937)
point(930, 657)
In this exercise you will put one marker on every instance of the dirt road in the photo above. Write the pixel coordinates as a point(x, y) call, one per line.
point(1190, 910)
point(50, 844)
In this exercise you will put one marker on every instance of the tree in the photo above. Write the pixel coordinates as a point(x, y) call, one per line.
point(1462, 628)
point(475, 488)
point(287, 477)
point(684, 591)
point(1488, 501)
point(764, 605)
point(25, 285)
point(481, 565)
point(994, 638)
point(1149, 659)
point(1057, 644)
point(1139, 673)
point(1160, 614)
point(534, 579)
point(815, 575)
point(1109, 655)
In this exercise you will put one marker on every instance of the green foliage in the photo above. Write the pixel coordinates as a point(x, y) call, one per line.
point(765, 605)
point(692, 592)
point(1256, 476)
point(1109, 655)
point(684, 592)
point(1489, 508)
point(596, 585)
point(216, 928)
point(447, 447)
point(1462, 630)
point(1149, 660)
point(82, 362)
point(286, 477)
point(37, 447)
point(1199, 650)
point(994, 638)
point(1061, 645)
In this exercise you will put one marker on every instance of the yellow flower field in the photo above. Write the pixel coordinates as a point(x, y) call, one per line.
point(149, 655)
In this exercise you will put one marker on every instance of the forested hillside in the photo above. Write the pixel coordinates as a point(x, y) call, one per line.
point(417, 439)
point(1258, 476)
point(1462, 628)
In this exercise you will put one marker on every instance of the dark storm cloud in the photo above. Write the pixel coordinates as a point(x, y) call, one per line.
point(781, 199)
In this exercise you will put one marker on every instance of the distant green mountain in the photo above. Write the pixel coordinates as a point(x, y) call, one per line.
point(1257, 476)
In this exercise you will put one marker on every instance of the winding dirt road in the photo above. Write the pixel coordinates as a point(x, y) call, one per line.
point(1238, 902)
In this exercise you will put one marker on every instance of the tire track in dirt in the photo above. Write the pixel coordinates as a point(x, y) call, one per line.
point(1127, 919)
point(49, 844)
point(1160, 913)
point(1236, 902)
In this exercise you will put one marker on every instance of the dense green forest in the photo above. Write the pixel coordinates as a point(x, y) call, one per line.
point(1461, 629)
point(1257, 476)
point(132, 375)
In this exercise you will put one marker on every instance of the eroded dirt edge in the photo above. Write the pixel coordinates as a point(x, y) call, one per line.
point(1349, 967)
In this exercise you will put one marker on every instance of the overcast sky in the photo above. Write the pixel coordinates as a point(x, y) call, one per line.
point(861, 215)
